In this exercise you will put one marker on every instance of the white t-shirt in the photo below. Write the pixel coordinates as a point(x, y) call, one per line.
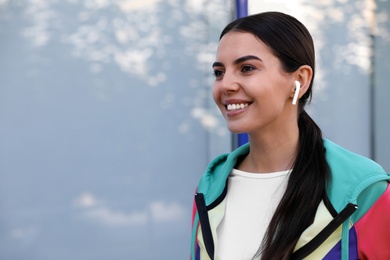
point(251, 201)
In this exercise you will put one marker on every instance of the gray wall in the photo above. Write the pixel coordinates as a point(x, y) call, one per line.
point(381, 85)
point(105, 126)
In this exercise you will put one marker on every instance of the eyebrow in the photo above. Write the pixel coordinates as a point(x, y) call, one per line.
point(245, 58)
point(239, 60)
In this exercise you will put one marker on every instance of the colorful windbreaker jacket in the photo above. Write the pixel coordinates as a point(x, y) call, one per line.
point(352, 222)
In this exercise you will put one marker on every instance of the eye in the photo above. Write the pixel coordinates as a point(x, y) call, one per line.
point(247, 68)
point(218, 73)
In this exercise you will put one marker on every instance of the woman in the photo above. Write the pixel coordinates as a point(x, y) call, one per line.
point(288, 193)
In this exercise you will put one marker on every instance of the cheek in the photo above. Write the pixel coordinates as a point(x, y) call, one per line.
point(216, 94)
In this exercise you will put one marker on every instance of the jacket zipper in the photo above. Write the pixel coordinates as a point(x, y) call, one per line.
point(205, 224)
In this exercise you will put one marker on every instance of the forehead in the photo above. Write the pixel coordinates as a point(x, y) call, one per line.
point(236, 44)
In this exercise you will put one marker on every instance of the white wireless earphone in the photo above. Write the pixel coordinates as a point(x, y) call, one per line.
point(297, 89)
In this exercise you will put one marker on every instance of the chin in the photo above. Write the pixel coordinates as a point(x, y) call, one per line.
point(236, 129)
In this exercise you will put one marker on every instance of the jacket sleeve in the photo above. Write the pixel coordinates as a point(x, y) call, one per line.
point(373, 229)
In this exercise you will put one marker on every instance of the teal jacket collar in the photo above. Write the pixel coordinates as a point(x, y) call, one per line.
point(351, 174)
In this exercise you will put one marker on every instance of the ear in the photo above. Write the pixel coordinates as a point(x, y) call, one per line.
point(304, 75)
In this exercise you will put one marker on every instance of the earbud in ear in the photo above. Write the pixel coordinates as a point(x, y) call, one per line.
point(297, 89)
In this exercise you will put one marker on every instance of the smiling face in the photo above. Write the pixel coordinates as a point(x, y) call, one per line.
point(251, 89)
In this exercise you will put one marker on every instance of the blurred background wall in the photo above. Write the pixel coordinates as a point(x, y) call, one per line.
point(105, 125)
point(107, 120)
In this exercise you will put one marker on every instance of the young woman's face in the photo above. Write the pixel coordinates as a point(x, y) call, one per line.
point(250, 88)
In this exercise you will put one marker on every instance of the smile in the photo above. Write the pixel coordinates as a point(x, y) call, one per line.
point(232, 107)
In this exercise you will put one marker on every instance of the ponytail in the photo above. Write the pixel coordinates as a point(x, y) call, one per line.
point(304, 192)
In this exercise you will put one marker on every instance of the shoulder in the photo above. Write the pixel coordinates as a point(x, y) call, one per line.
point(351, 175)
point(340, 158)
point(361, 181)
point(214, 178)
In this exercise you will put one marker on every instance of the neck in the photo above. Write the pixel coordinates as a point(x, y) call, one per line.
point(273, 152)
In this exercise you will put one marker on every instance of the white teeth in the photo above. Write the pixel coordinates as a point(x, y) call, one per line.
point(231, 107)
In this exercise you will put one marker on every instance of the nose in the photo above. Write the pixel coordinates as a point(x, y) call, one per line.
point(229, 83)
